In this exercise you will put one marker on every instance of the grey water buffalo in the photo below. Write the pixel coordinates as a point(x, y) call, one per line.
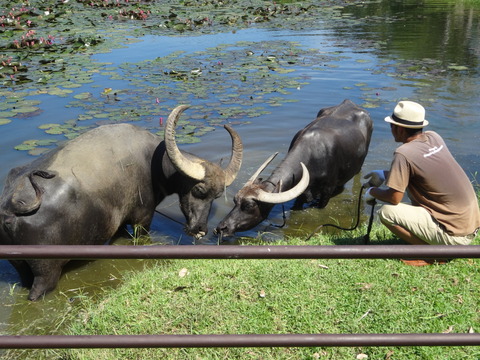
point(86, 190)
point(332, 147)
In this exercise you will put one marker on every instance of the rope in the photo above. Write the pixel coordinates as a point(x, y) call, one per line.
point(284, 216)
point(169, 217)
point(366, 238)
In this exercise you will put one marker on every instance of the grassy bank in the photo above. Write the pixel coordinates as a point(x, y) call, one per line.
point(288, 296)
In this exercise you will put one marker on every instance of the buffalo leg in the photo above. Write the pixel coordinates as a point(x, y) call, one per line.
point(142, 223)
point(24, 271)
point(46, 275)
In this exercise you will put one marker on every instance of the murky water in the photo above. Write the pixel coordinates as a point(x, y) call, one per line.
point(385, 53)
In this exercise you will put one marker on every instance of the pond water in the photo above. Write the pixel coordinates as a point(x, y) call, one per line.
point(375, 55)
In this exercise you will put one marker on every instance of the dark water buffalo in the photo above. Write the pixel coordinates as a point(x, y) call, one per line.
point(333, 148)
point(86, 190)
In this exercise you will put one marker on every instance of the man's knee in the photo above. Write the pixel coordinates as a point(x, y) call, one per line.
point(387, 214)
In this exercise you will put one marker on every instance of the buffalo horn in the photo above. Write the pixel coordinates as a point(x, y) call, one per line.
point(235, 158)
point(297, 190)
point(260, 169)
point(192, 169)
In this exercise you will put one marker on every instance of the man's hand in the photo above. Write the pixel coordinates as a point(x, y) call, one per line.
point(377, 178)
point(369, 198)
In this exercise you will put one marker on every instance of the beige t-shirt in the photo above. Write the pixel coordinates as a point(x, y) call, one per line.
point(434, 180)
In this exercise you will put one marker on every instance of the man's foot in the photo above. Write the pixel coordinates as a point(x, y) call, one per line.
point(420, 262)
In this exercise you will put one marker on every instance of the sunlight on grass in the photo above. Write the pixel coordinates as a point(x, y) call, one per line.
point(288, 296)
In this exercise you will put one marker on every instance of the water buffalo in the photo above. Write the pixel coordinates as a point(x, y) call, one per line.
point(83, 192)
point(333, 148)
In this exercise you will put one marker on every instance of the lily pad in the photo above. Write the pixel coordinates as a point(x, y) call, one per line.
point(83, 96)
point(24, 109)
point(7, 114)
point(48, 126)
point(59, 92)
point(38, 151)
point(237, 76)
point(458, 67)
point(369, 105)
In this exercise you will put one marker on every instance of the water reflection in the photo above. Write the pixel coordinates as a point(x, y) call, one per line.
point(440, 30)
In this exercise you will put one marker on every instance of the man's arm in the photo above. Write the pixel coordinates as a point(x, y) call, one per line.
point(388, 195)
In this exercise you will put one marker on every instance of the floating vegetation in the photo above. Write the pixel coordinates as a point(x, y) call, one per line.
point(35, 147)
point(38, 32)
point(244, 79)
point(46, 48)
point(458, 67)
point(69, 129)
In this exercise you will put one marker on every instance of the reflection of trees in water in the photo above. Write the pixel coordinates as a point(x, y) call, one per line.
point(444, 31)
point(433, 47)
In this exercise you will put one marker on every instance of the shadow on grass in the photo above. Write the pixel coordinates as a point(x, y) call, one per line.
point(359, 240)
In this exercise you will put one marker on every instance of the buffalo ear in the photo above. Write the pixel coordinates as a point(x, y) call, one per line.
point(43, 174)
point(27, 195)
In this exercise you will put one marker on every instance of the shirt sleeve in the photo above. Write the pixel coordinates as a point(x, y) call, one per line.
point(399, 175)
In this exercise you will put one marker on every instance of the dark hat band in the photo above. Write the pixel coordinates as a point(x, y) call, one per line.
point(406, 122)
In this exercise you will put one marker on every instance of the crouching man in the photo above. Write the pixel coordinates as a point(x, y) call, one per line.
point(444, 208)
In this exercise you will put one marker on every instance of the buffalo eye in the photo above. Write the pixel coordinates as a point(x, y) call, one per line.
point(199, 191)
point(248, 206)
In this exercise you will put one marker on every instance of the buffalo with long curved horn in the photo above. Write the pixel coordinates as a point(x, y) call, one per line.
point(203, 181)
point(331, 149)
point(196, 168)
point(84, 191)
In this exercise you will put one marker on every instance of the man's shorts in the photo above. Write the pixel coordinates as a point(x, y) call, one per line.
point(419, 222)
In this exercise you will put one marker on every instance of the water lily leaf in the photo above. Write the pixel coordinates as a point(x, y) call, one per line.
point(25, 109)
point(38, 151)
point(5, 106)
point(83, 96)
point(284, 71)
point(59, 92)
point(83, 117)
point(26, 145)
point(55, 131)
point(45, 142)
point(71, 135)
point(458, 67)
point(369, 105)
point(48, 126)
point(30, 102)
point(101, 116)
point(71, 85)
point(6, 114)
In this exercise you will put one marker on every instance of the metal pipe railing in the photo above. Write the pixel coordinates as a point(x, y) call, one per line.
point(248, 340)
point(238, 252)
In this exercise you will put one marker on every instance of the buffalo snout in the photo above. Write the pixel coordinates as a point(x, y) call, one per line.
point(197, 231)
point(223, 230)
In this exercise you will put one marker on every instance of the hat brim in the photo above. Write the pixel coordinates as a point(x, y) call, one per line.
point(390, 120)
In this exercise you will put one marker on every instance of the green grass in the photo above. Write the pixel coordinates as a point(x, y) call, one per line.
point(288, 296)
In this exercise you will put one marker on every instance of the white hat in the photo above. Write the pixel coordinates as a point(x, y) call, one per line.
point(408, 114)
